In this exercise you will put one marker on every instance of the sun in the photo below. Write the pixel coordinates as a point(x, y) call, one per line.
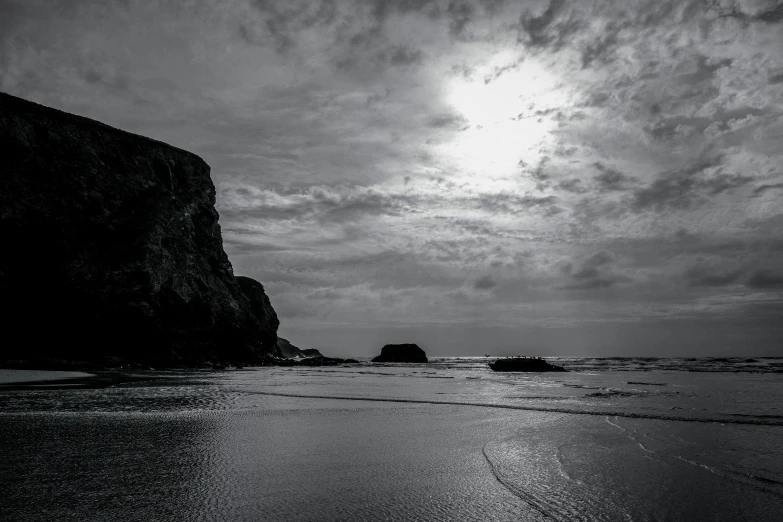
point(508, 118)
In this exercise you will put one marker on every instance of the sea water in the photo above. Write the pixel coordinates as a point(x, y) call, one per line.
point(614, 439)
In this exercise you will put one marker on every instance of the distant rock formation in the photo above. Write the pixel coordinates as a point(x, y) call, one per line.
point(315, 361)
point(405, 353)
point(290, 351)
point(287, 350)
point(112, 248)
point(525, 364)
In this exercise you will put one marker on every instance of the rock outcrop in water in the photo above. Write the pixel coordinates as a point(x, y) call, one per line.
point(315, 361)
point(290, 351)
point(404, 353)
point(525, 364)
point(112, 248)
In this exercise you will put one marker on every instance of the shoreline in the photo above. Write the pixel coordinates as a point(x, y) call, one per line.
point(12, 379)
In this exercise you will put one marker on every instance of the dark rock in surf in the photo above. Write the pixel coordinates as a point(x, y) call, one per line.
point(112, 248)
point(401, 353)
point(315, 361)
point(525, 364)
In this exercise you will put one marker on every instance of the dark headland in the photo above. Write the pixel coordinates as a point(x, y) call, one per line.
point(112, 251)
point(290, 351)
point(525, 364)
point(295, 356)
point(401, 353)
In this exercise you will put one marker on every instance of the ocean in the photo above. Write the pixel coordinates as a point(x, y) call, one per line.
point(631, 439)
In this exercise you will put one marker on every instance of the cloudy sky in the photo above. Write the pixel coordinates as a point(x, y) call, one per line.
point(487, 176)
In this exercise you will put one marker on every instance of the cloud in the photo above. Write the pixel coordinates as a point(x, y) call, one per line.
point(594, 272)
point(327, 204)
point(683, 188)
point(460, 14)
point(707, 276)
point(574, 185)
point(765, 279)
point(280, 23)
point(763, 188)
point(602, 49)
point(611, 179)
point(401, 55)
point(545, 29)
point(448, 120)
point(485, 283)
point(509, 203)
point(765, 11)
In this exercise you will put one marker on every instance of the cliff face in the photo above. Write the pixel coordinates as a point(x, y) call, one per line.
point(261, 308)
point(111, 247)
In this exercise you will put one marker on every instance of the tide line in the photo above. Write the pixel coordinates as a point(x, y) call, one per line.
point(569, 411)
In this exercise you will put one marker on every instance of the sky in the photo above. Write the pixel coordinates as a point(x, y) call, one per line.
point(476, 176)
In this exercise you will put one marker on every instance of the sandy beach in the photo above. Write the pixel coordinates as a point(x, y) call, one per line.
point(446, 441)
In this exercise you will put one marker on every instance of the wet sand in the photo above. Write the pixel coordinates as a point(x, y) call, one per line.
point(28, 376)
point(395, 443)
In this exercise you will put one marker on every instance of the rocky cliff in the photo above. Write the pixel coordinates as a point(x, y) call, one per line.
point(111, 247)
point(261, 308)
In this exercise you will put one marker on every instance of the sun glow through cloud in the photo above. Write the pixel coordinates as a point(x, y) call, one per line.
point(509, 117)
